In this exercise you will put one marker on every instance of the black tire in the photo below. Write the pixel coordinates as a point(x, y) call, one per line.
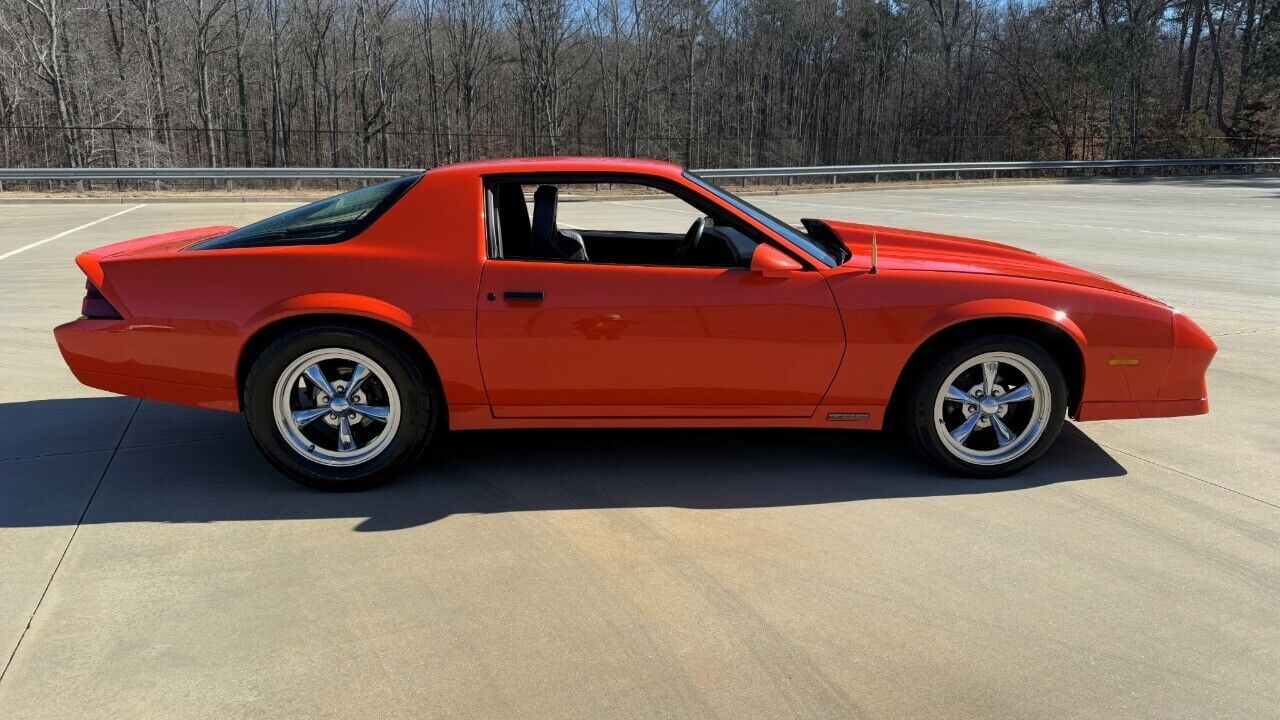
point(421, 405)
point(918, 421)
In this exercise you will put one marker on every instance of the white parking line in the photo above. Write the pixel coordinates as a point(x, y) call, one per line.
point(65, 233)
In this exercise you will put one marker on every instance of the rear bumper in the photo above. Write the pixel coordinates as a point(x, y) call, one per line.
point(97, 352)
point(95, 347)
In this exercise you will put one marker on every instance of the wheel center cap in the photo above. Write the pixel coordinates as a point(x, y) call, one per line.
point(989, 405)
point(339, 405)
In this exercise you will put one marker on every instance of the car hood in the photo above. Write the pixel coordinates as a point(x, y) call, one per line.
point(900, 249)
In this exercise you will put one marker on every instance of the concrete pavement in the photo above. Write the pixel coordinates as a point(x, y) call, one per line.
point(154, 566)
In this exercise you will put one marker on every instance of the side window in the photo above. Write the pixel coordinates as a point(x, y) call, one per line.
point(617, 223)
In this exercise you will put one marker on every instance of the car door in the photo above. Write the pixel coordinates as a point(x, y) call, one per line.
point(581, 339)
point(585, 340)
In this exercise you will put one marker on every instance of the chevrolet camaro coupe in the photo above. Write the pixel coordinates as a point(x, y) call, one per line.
point(352, 330)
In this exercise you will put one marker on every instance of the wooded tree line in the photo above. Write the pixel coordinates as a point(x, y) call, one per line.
point(703, 82)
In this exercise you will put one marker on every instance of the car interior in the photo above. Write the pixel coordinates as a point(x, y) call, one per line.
point(709, 241)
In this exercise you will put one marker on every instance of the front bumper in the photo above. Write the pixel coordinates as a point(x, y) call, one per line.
point(1129, 410)
point(1181, 389)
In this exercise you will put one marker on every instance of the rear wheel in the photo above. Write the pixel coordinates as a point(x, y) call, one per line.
point(990, 407)
point(337, 408)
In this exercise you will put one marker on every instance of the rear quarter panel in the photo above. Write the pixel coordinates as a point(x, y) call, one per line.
point(417, 267)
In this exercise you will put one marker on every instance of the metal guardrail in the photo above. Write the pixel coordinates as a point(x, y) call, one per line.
point(993, 167)
point(273, 173)
point(79, 175)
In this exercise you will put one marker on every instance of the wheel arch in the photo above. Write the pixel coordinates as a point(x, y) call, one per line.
point(1050, 329)
point(387, 329)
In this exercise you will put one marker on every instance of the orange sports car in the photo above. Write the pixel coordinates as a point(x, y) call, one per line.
point(484, 295)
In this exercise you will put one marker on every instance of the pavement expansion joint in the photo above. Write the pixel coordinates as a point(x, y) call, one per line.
point(79, 521)
point(1184, 473)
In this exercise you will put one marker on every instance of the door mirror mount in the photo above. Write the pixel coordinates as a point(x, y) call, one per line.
point(772, 263)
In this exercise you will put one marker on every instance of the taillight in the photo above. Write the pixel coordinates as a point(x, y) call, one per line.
point(95, 305)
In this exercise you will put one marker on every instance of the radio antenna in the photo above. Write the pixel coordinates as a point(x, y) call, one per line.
point(875, 255)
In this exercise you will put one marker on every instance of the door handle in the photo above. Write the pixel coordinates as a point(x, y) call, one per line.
point(523, 296)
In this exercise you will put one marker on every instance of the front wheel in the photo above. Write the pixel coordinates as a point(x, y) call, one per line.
point(337, 408)
point(990, 407)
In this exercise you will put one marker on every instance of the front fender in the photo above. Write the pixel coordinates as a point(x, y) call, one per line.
point(988, 308)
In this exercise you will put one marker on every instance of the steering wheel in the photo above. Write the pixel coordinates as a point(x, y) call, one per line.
point(692, 239)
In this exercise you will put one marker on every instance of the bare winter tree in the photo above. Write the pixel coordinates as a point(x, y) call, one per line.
point(469, 29)
point(208, 31)
point(545, 33)
point(38, 33)
point(705, 82)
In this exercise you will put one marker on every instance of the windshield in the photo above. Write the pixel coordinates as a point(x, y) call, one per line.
point(327, 221)
point(829, 251)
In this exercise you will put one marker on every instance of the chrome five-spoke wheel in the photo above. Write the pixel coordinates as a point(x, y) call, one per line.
point(336, 407)
point(989, 407)
point(992, 408)
point(339, 407)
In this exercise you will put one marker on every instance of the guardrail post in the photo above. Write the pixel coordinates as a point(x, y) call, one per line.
point(957, 175)
point(876, 177)
point(993, 174)
point(1, 186)
point(231, 184)
point(157, 186)
point(80, 186)
point(917, 177)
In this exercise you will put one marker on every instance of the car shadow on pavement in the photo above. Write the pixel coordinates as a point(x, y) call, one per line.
point(181, 465)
